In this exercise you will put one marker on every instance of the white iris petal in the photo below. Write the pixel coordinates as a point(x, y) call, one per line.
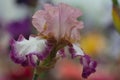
point(78, 50)
point(33, 45)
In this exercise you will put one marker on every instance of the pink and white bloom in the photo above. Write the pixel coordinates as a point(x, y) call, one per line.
point(59, 22)
point(26, 52)
point(59, 32)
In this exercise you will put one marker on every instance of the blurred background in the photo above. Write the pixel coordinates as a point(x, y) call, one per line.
point(99, 39)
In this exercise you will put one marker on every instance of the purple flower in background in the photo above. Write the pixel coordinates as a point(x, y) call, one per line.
point(20, 27)
point(88, 65)
point(58, 35)
point(31, 3)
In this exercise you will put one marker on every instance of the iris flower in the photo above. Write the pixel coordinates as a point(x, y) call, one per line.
point(58, 35)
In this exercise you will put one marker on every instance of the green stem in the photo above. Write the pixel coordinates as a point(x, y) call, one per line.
point(115, 2)
point(35, 75)
point(50, 57)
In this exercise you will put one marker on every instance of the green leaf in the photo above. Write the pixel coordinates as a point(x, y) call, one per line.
point(116, 15)
point(115, 2)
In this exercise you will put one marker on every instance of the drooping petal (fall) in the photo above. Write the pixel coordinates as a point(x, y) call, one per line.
point(74, 50)
point(27, 52)
point(89, 66)
point(58, 21)
point(62, 53)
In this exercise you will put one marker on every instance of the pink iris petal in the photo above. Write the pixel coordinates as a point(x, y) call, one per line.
point(58, 21)
point(68, 20)
point(75, 34)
